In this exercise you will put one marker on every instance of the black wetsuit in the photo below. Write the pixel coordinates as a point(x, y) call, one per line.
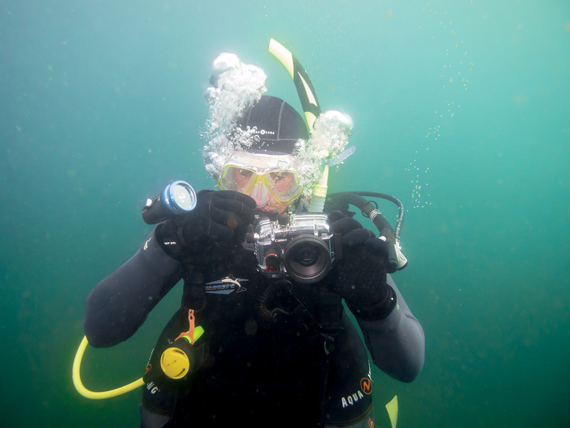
point(307, 368)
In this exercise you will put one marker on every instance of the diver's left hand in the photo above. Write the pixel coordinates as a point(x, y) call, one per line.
point(361, 278)
point(358, 243)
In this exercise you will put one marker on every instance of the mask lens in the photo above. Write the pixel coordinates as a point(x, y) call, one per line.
point(236, 178)
point(284, 185)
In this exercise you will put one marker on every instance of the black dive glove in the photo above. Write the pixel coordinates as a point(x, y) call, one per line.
point(217, 224)
point(361, 272)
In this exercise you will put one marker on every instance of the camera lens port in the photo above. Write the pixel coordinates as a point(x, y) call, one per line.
point(307, 259)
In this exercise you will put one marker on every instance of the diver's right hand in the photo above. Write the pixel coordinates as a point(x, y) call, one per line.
point(218, 222)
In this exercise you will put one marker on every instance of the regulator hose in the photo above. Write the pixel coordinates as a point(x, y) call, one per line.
point(92, 394)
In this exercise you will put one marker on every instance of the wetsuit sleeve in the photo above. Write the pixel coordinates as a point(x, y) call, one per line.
point(397, 342)
point(119, 304)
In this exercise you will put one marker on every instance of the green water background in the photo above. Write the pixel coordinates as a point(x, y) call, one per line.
point(101, 105)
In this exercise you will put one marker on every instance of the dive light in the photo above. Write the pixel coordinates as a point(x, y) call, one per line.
point(176, 198)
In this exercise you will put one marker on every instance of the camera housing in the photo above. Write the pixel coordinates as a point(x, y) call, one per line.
point(297, 246)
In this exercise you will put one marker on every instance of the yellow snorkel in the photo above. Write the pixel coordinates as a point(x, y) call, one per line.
point(312, 110)
point(305, 89)
point(311, 107)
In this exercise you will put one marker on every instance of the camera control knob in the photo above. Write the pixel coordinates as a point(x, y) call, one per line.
point(273, 214)
point(283, 219)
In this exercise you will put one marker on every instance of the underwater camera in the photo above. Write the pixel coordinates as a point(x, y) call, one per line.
point(297, 246)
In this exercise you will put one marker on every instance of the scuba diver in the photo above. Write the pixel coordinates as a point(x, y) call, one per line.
point(262, 336)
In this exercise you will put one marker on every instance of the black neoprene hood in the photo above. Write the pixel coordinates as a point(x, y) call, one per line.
point(278, 125)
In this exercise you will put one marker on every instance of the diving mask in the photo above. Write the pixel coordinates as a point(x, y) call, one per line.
point(262, 176)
